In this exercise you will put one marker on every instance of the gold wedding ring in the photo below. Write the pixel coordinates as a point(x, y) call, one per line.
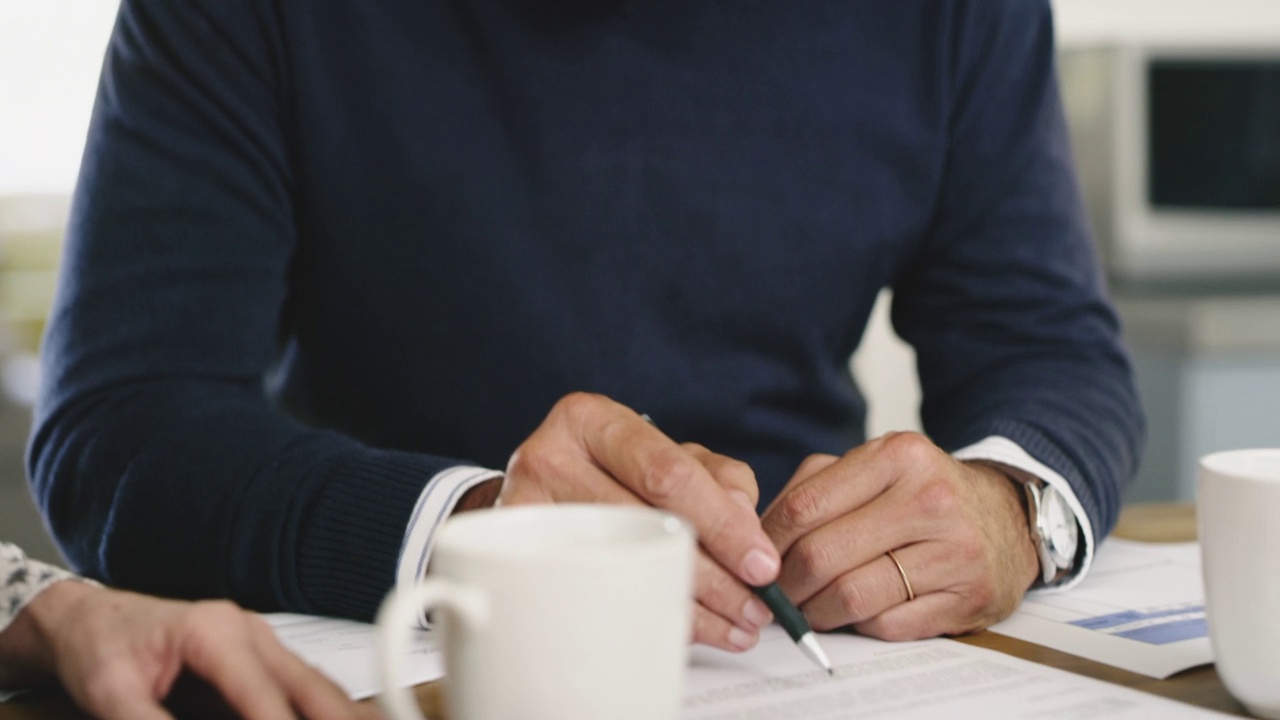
point(911, 594)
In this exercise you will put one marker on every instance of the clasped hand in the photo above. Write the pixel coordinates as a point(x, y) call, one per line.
point(591, 449)
point(958, 529)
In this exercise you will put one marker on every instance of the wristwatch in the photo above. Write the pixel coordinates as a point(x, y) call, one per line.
point(1053, 529)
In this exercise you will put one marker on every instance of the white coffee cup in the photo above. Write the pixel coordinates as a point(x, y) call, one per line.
point(1238, 508)
point(552, 612)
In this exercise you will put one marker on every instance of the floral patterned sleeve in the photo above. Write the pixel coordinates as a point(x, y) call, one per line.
point(21, 579)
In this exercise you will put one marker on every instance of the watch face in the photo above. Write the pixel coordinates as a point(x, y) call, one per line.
point(1060, 530)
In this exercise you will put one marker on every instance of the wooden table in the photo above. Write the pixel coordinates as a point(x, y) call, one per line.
point(1160, 523)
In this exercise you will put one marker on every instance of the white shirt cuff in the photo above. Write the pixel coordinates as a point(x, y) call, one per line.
point(1006, 452)
point(435, 504)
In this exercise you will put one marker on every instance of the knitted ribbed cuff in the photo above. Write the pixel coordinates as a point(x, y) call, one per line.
point(351, 536)
point(1042, 448)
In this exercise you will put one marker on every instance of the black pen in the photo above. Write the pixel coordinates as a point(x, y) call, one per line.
point(787, 614)
point(792, 620)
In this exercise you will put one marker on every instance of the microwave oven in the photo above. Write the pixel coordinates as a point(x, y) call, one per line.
point(1178, 154)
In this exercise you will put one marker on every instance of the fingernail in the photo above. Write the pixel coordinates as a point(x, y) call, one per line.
point(742, 639)
point(744, 499)
point(758, 568)
point(757, 613)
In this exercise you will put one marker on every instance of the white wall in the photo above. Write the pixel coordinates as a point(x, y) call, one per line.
point(885, 367)
point(50, 55)
point(1093, 21)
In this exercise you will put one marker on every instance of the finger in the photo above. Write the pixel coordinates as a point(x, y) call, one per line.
point(927, 616)
point(809, 466)
point(133, 708)
point(548, 483)
point(732, 474)
point(723, 594)
point(861, 475)
point(307, 689)
point(121, 695)
point(664, 475)
point(711, 629)
point(228, 660)
point(876, 587)
point(849, 541)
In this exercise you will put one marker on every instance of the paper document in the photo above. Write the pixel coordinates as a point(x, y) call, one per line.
point(1141, 608)
point(924, 680)
point(927, 679)
point(345, 651)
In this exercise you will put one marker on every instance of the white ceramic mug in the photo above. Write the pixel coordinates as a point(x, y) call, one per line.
point(1238, 509)
point(552, 612)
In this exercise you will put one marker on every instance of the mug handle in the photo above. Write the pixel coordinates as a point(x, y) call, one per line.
point(400, 612)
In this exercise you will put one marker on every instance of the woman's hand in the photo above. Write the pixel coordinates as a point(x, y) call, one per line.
point(118, 655)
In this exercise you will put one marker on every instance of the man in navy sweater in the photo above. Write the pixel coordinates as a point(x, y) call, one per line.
point(337, 270)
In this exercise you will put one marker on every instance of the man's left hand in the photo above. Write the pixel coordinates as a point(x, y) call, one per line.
point(958, 529)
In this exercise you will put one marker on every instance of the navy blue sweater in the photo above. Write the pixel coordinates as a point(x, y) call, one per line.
point(322, 250)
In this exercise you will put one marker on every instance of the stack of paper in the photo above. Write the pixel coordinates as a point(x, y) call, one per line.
point(1141, 608)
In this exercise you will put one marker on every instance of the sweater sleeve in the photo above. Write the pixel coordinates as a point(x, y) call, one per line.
point(156, 456)
point(1004, 304)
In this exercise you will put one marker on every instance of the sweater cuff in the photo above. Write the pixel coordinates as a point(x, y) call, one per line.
point(351, 535)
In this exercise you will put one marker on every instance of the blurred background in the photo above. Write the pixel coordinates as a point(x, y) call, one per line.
point(1175, 114)
point(50, 55)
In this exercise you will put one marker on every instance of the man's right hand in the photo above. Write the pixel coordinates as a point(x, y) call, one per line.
point(591, 449)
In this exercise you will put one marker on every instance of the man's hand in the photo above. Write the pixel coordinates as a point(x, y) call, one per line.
point(959, 530)
point(591, 449)
point(119, 654)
